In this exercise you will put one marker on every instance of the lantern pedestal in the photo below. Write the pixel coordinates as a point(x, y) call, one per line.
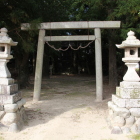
point(131, 75)
point(4, 72)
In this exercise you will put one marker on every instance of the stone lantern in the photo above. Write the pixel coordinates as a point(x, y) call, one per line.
point(5, 50)
point(124, 109)
point(12, 113)
point(131, 45)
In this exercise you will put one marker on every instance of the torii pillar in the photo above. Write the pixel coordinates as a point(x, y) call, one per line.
point(98, 63)
point(39, 66)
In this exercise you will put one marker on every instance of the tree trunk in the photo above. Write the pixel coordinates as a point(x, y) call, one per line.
point(74, 62)
point(23, 77)
point(112, 59)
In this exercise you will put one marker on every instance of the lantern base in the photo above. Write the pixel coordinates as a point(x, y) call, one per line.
point(131, 75)
point(124, 116)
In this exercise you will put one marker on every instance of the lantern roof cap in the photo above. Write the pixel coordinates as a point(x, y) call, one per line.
point(5, 39)
point(131, 41)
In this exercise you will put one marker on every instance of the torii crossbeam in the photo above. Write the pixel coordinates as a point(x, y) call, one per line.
point(96, 25)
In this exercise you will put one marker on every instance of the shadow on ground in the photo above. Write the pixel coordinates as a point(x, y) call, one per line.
point(60, 94)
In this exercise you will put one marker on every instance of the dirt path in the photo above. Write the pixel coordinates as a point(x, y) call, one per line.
point(67, 111)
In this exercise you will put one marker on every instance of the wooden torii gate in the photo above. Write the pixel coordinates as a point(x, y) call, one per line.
point(96, 25)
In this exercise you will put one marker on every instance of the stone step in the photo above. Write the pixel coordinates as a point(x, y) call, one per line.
point(128, 103)
point(10, 99)
point(125, 84)
point(128, 93)
point(6, 81)
point(8, 89)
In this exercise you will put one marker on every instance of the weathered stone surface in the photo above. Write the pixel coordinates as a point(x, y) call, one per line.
point(118, 91)
point(10, 99)
point(4, 72)
point(130, 93)
point(18, 114)
point(119, 101)
point(22, 111)
point(126, 130)
point(116, 130)
point(2, 113)
point(122, 112)
point(125, 84)
point(1, 107)
point(6, 81)
point(3, 128)
point(10, 108)
point(68, 38)
point(74, 25)
point(114, 107)
point(136, 118)
point(23, 101)
point(23, 115)
point(138, 129)
point(14, 127)
point(17, 97)
point(8, 89)
point(138, 122)
point(135, 112)
point(9, 118)
point(110, 103)
point(111, 112)
point(128, 103)
point(21, 122)
point(118, 121)
point(131, 75)
point(130, 121)
point(19, 103)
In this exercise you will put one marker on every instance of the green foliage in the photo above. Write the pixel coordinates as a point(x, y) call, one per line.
point(87, 10)
point(15, 12)
point(35, 24)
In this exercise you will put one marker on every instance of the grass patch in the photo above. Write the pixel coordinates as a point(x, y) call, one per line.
point(66, 84)
point(47, 92)
point(1, 138)
point(44, 92)
point(90, 82)
point(82, 105)
point(89, 108)
point(27, 92)
point(79, 93)
point(25, 133)
point(135, 137)
point(104, 127)
point(107, 139)
point(75, 137)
